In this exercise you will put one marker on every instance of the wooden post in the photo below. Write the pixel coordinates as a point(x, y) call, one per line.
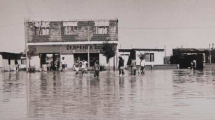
point(88, 52)
point(26, 45)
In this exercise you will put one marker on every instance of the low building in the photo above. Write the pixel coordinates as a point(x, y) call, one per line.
point(10, 61)
point(153, 56)
point(184, 57)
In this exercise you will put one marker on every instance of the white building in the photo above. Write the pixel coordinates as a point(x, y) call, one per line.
point(153, 56)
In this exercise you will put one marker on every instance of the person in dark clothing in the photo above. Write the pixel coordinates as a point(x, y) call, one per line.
point(121, 66)
point(96, 68)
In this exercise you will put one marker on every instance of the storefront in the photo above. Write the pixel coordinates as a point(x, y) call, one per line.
point(52, 54)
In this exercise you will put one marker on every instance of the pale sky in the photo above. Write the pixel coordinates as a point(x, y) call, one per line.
point(142, 23)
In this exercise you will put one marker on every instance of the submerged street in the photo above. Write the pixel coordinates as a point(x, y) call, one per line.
point(179, 94)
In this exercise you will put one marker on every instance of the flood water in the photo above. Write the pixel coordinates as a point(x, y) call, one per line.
point(157, 95)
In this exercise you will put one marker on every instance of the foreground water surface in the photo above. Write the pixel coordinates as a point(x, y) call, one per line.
point(157, 95)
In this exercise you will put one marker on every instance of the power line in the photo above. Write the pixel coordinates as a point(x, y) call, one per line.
point(168, 28)
point(12, 24)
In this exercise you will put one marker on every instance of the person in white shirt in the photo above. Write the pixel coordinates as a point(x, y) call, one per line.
point(84, 66)
point(76, 66)
point(142, 66)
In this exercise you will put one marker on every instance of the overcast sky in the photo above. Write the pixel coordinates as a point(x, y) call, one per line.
point(142, 23)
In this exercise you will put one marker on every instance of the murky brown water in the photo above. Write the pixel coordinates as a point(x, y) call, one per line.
point(157, 95)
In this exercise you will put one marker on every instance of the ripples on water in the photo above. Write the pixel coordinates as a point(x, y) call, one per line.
point(157, 95)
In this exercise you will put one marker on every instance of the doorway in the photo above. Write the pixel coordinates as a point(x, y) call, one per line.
point(51, 60)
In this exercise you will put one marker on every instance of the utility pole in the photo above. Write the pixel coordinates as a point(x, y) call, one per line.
point(165, 60)
point(88, 52)
point(212, 47)
point(209, 54)
point(26, 46)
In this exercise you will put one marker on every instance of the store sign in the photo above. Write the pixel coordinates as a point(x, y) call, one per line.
point(83, 48)
point(68, 49)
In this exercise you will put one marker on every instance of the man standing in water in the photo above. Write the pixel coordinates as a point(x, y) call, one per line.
point(121, 66)
point(76, 66)
point(133, 67)
point(84, 66)
point(142, 66)
point(96, 68)
point(194, 64)
point(63, 64)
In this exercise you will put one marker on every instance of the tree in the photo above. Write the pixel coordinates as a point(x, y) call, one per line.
point(108, 50)
point(142, 56)
point(31, 52)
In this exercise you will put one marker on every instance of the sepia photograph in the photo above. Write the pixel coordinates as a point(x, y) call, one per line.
point(107, 60)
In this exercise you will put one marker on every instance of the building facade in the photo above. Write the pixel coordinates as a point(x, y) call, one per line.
point(73, 40)
point(153, 56)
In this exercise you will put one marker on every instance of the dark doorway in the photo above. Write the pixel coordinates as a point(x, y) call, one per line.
point(52, 59)
point(81, 56)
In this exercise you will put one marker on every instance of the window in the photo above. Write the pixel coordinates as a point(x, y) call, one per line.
point(70, 27)
point(102, 27)
point(42, 28)
point(149, 57)
point(101, 30)
point(69, 30)
point(42, 31)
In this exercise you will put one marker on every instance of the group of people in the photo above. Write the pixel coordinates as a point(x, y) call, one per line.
point(134, 70)
point(55, 65)
point(82, 65)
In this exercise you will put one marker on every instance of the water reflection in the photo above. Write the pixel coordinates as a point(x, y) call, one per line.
point(161, 94)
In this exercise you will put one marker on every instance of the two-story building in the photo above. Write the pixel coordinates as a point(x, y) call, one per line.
point(72, 40)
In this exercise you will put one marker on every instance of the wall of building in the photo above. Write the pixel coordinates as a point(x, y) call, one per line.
point(1, 60)
point(6, 66)
point(56, 32)
point(35, 61)
point(112, 61)
point(158, 57)
point(69, 59)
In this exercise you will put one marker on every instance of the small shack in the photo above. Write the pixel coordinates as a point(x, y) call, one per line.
point(184, 57)
point(10, 61)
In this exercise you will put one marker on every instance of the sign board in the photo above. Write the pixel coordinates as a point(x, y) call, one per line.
point(67, 49)
point(81, 48)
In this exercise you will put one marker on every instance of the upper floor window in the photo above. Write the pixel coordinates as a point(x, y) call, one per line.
point(101, 27)
point(70, 28)
point(42, 28)
point(101, 30)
